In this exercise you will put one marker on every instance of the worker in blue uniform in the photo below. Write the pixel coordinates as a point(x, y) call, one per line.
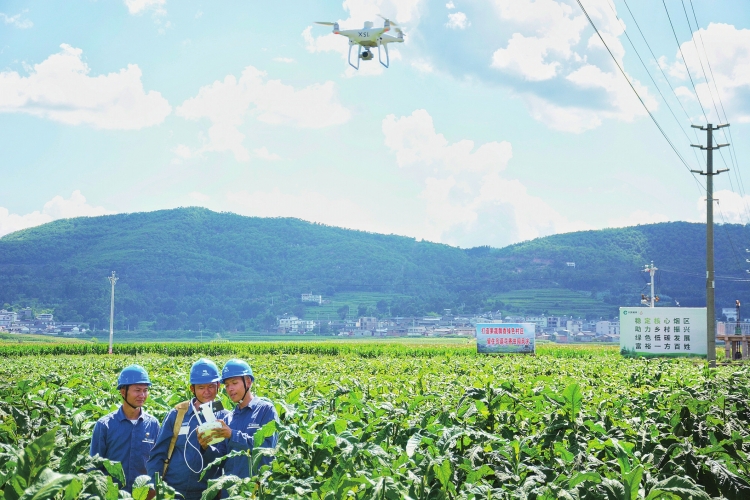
point(177, 455)
point(249, 414)
point(127, 434)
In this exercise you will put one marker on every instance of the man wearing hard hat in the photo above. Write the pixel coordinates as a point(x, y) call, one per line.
point(177, 456)
point(127, 434)
point(238, 429)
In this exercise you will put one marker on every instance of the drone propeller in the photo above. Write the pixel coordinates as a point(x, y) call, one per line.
point(324, 23)
point(393, 23)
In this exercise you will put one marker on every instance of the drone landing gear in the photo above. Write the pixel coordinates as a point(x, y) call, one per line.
point(367, 55)
point(387, 57)
point(359, 55)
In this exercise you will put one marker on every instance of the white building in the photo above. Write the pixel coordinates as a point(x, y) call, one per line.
point(308, 297)
point(574, 326)
point(539, 321)
point(7, 318)
point(415, 331)
point(607, 328)
point(44, 318)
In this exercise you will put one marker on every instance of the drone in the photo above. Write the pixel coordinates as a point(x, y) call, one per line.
point(367, 38)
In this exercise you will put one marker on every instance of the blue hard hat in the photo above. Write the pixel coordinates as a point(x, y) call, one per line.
point(133, 374)
point(204, 371)
point(236, 368)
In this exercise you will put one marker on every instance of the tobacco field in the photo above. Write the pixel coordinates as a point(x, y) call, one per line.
point(391, 422)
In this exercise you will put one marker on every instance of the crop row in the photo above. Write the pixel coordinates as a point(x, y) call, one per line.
point(568, 423)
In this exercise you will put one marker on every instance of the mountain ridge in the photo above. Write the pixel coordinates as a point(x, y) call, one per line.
point(192, 265)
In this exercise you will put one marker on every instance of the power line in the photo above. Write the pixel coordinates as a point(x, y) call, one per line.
point(674, 93)
point(684, 61)
point(653, 118)
point(730, 139)
point(645, 67)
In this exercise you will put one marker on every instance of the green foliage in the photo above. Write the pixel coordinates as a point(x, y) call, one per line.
point(191, 269)
point(395, 421)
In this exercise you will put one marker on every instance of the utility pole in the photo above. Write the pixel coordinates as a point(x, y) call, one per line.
point(112, 279)
point(652, 271)
point(737, 328)
point(710, 281)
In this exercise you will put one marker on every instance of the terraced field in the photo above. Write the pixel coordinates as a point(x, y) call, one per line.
point(555, 302)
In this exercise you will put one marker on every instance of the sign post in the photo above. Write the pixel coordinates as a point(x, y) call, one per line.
point(503, 338)
point(663, 331)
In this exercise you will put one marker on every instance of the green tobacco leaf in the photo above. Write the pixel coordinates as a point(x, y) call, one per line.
point(293, 397)
point(412, 445)
point(573, 399)
point(443, 472)
point(613, 490)
point(720, 480)
point(141, 487)
point(70, 458)
point(216, 485)
point(584, 476)
point(47, 485)
point(386, 487)
point(680, 487)
point(631, 482)
point(32, 462)
point(264, 432)
point(114, 469)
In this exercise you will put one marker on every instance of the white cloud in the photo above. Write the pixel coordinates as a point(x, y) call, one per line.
point(228, 103)
point(264, 154)
point(457, 21)
point(138, 6)
point(731, 207)
point(57, 208)
point(450, 5)
point(423, 66)
point(287, 60)
point(16, 20)
point(547, 46)
point(464, 193)
point(60, 89)
point(636, 218)
point(727, 51)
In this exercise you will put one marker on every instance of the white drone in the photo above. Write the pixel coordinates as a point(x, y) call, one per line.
point(368, 38)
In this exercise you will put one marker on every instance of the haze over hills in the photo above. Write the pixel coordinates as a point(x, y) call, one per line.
point(188, 266)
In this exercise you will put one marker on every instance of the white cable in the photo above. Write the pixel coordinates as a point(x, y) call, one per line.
point(184, 449)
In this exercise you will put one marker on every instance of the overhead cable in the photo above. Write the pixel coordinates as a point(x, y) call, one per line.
point(653, 118)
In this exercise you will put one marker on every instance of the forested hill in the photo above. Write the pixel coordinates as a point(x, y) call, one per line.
point(191, 265)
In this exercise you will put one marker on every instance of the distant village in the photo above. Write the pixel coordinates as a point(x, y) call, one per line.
point(562, 329)
point(25, 321)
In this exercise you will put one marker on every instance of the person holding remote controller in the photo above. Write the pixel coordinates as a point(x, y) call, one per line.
point(177, 454)
point(239, 427)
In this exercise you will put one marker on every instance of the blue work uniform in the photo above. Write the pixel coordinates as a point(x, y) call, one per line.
point(244, 422)
point(181, 475)
point(117, 438)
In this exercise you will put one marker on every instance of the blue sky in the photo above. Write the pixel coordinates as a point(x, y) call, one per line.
point(497, 122)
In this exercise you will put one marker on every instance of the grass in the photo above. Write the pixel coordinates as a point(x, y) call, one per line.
point(24, 338)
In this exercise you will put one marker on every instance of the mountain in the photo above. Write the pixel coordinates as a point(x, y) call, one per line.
point(187, 266)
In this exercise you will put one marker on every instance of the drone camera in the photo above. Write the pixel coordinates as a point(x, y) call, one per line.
point(366, 55)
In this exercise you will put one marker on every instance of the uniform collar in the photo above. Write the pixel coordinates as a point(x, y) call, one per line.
point(252, 403)
point(121, 414)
